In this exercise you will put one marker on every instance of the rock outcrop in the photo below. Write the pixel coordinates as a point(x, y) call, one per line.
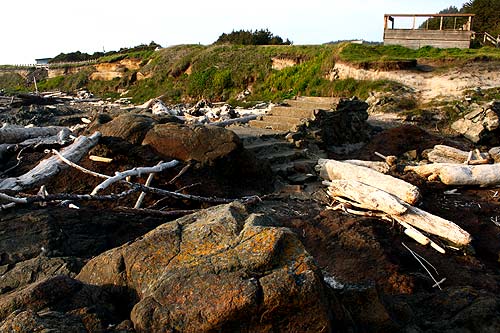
point(345, 124)
point(481, 125)
point(220, 269)
point(192, 143)
point(57, 232)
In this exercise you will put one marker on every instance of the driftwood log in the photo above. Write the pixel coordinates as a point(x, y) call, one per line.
point(459, 174)
point(335, 170)
point(447, 154)
point(61, 138)
point(434, 225)
point(52, 165)
point(16, 134)
point(134, 172)
point(381, 167)
point(368, 197)
point(240, 120)
point(495, 154)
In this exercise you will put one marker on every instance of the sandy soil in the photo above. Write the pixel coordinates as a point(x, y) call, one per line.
point(431, 83)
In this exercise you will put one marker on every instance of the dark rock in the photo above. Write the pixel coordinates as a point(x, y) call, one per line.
point(39, 268)
point(43, 115)
point(366, 309)
point(48, 321)
point(39, 295)
point(61, 304)
point(346, 124)
point(54, 232)
point(219, 269)
point(461, 309)
point(192, 143)
point(130, 127)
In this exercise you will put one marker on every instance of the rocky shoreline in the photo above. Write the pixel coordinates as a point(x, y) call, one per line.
point(273, 259)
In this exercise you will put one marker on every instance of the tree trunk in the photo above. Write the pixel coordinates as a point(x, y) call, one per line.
point(459, 174)
point(335, 170)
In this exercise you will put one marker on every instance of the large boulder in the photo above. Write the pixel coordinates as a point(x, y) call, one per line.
point(192, 143)
point(481, 125)
point(217, 270)
point(130, 127)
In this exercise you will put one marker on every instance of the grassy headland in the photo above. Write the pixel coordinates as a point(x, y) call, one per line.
point(221, 72)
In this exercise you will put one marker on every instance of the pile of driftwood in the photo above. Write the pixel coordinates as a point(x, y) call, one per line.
point(73, 149)
point(361, 187)
point(455, 167)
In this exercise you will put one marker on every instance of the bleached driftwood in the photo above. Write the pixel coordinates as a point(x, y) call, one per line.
point(381, 167)
point(152, 190)
point(52, 165)
point(134, 172)
point(447, 154)
point(459, 174)
point(391, 160)
point(240, 120)
point(335, 170)
point(16, 134)
point(100, 159)
point(372, 198)
point(495, 154)
point(60, 138)
point(435, 225)
point(368, 196)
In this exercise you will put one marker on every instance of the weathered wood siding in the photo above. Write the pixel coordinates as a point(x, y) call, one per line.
point(415, 39)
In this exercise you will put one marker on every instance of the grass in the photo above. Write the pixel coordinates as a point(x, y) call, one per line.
point(380, 53)
point(12, 83)
point(186, 73)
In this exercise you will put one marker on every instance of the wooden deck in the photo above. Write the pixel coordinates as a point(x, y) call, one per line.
point(457, 35)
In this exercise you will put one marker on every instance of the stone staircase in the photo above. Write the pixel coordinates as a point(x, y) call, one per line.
point(288, 136)
point(293, 113)
point(293, 164)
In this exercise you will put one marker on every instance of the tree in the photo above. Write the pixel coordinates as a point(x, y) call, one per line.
point(257, 37)
point(448, 22)
point(487, 17)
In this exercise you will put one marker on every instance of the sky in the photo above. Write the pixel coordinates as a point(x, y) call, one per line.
point(32, 29)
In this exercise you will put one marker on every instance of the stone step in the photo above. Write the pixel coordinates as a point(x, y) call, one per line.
point(249, 135)
point(292, 121)
point(303, 165)
point(284, 157)
point(287, 111)
point(316, 102)
point(271, 125)
point(262, 148)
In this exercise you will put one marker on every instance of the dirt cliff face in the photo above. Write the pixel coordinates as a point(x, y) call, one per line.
point(110, 71)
